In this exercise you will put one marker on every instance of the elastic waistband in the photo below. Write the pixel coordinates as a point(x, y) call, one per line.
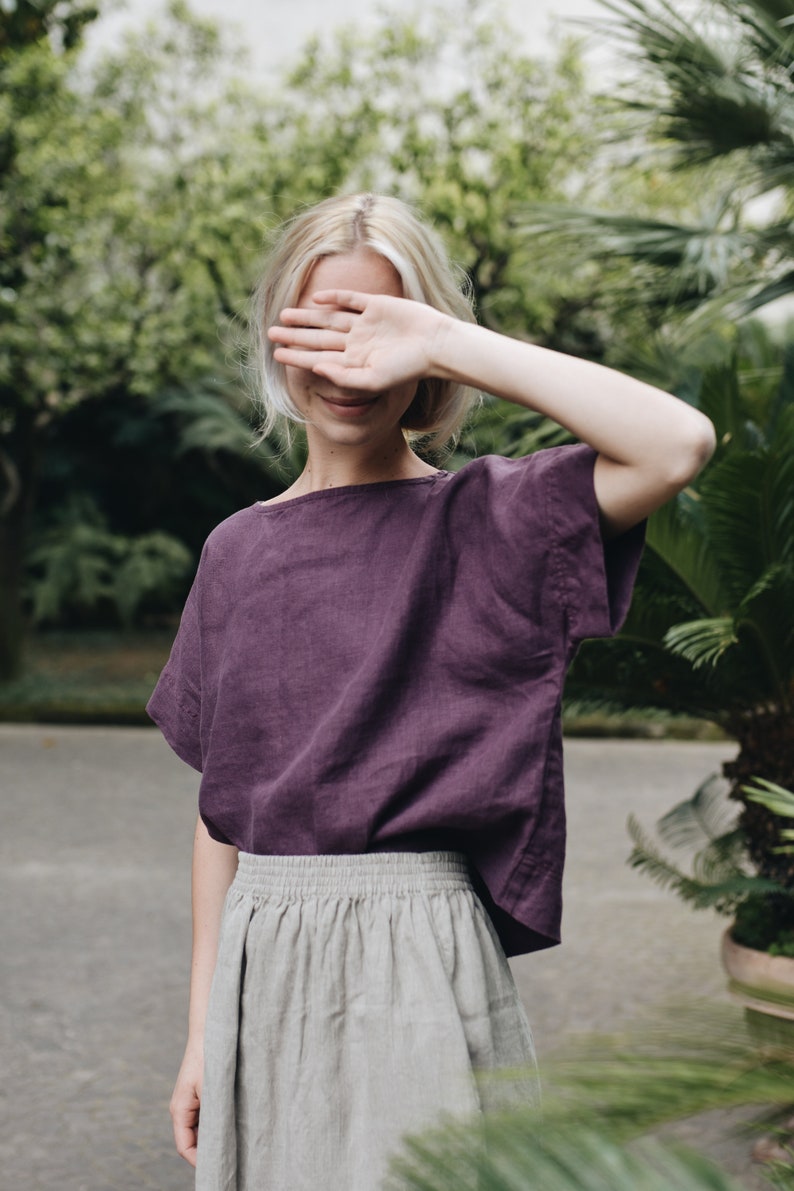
point(371, 872)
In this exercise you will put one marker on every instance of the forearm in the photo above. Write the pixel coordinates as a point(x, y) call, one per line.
point(214, 866)
point(627, 421)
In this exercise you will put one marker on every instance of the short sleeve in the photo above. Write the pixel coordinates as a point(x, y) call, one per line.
point(594, 578)
point(175, 705)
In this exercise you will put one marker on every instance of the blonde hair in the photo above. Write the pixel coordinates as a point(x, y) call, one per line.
point(341, 225)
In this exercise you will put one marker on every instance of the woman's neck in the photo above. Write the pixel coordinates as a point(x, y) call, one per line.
point(338, 467)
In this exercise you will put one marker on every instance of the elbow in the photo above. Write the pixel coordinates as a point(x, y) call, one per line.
point(692, 450)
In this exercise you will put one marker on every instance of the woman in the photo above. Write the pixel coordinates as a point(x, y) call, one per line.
point(368, 675)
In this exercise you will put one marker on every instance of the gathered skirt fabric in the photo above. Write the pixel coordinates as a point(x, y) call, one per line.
point(355, 999)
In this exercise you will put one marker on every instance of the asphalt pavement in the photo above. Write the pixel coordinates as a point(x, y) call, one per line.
point(95, 943)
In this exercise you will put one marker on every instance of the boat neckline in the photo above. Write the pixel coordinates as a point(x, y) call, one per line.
point(345, 490)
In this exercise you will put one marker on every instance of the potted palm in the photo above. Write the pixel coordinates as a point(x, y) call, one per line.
point(763, 980)
point(758, 947)
point(711, 630)
point(710, 635)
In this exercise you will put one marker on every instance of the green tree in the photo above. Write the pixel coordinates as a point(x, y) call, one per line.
point(125, 248)
point(24, 28)
point(715, 100)
point(446, 111)
point(142, 188)
point(26, 22)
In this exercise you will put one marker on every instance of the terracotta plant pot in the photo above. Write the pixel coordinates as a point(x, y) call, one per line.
point(759, 981)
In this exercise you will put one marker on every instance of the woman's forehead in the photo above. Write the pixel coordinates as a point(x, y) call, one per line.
point(362, 270)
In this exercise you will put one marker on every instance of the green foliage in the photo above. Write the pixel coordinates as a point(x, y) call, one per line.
point(720, 875)
point(777, 800)
point(448, 113)
point(711, 629)
point(771, 795)
point(24, 22)
point(512, 1154)
point(701, 642)
point(79, 567)
point(716, 100)
point(87, 676)
point(127, 229)
point(705, 826)
point(765, 924)
point(152, 565)
point(677, 1062)
point(135, 190)
point(677, 264)
point(604, 1097)
point(711, 632)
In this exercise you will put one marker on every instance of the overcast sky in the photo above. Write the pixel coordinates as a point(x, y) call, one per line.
point(274, 30)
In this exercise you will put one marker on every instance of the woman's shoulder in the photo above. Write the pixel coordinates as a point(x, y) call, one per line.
point(229, 539)
point(540, 465)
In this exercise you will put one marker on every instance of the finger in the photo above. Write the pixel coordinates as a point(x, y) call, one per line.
point(307, 338)
point(186, 1136)
point(345, 299)
point(315, 316)
point(294, 357)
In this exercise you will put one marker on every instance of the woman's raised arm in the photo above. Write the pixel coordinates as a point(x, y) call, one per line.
point(650, 444)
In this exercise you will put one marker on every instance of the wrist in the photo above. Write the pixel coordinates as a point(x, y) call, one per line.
point(195, 1040)
point(442, 352)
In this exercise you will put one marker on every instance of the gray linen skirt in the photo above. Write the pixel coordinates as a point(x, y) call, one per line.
point(355, 999)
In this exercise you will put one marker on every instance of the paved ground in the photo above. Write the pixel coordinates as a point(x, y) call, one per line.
point(94, 940)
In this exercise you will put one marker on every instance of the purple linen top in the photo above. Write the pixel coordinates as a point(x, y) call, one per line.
point(379, 667)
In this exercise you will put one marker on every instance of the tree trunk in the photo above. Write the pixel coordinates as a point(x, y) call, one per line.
point(17, 482)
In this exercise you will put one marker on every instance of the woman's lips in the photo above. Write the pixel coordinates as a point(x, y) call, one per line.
point(350, 408)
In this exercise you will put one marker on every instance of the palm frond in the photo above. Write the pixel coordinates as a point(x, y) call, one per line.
point(781, 470)
point(768, 29)
point(760, 296)
point(720, 398)
point(735, 505)
point(675, 534)
point(720, 86)
point(670, 1065)
point(209, 420)
point(706, 825)
point(697, 259)
point(666, 39)
point(774, 797)
point(721, 858)
point(521, 432)
point(622, 675)
point(206, 421)
point(601, 1094)
point(765, 619)
point(513, 1153)
point(702, 642)
point(701, 819)
point(722, 895)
